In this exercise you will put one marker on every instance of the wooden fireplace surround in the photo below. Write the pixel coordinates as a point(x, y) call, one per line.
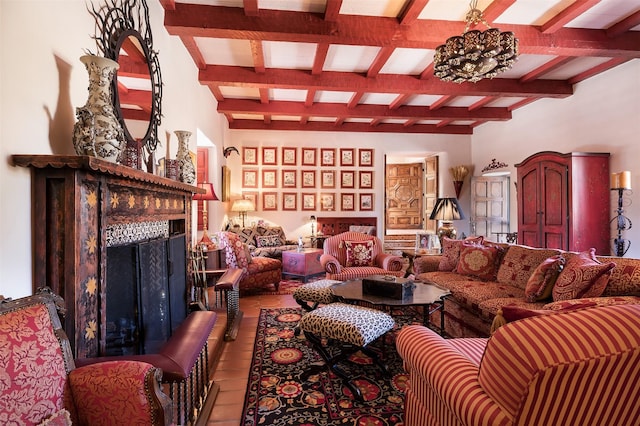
point(74, 200)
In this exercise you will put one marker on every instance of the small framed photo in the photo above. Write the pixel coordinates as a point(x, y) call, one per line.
point(328, 179)
point(269, 178)
point(270, 156)
point(366, 157)
point(366, 202)
point(308, 201)
point(289, 201)
point(347, 157)
point(328, 157)
point(289, 156)
point(249, 178)
point(347, 202)
point(327, 202)
point(251, 196)
point(249, 155)
point(308, 178)
point(309, 156)
point(289, 178)
point(427, 243)
point(269, 201)
point(347, 179)
point(366, 179)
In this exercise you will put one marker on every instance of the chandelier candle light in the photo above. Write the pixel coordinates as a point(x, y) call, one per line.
point(621, 182)
point(475, 54)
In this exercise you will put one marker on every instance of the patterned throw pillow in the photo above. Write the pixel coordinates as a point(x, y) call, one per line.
point(541, 282)
point(359, 253)
point(451, 252)
point(479, 261)
point(582, 276)
point(268, 241)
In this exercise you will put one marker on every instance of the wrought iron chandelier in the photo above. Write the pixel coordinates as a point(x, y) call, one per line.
point(475, 54)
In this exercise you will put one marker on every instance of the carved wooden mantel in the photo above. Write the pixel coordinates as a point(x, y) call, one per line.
point(75, 200)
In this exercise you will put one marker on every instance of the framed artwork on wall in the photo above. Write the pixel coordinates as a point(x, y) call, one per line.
point(270, 156)
point(251, 196)
point(249, 155)
point(366, 202)
point(347, 201)
point(249, 178)
point(366, 157)
point(328, 179)
point(308, 201)
point(327, 202)
point(309, 156)
point(366, 179)
point(328, 157)
point(289, 156)
point(308, 178)
point(269, 201)
point(347, 179)
point(226, 183)
point(289, 201)
point(269, 178)
point(347, 157)
point(289, 178)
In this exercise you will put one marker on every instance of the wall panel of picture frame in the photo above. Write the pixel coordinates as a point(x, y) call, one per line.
point(308, 179)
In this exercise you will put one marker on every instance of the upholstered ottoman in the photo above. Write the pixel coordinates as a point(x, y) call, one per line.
point(352, 328)
point(317, 292)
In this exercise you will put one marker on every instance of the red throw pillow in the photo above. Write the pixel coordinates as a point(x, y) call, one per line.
point(359, 253)
point(540, 284)
point(582, 276)
point(451, 252)
point(479, 261)
point(510, 313)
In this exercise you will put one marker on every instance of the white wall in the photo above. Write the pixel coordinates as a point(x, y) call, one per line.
point(31, 32)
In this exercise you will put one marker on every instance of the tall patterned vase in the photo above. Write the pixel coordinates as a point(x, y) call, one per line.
point(98, 132)
point(187, 171)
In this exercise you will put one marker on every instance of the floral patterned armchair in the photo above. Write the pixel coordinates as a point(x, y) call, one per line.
point(39, 383)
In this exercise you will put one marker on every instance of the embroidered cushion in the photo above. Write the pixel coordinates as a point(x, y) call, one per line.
point(269, 241)
point(582, 276)
point(451, 252)
point(60, 418)
point(541, 282)
point(479, 261)
point(359, 253)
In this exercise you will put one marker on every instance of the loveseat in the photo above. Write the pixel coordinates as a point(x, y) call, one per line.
point(477, 296)
point(39, 383)
point(577, 367)
point(265, 241)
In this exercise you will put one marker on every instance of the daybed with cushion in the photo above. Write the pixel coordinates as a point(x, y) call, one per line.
point(351, 255)
point(484, 276)
point(265, 241)
point(571, 368)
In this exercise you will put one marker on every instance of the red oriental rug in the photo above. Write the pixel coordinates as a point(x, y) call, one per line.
point(277, 396)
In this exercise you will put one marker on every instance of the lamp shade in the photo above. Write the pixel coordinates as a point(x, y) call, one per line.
point(210, 193)
point(446, 209)
point(243, 206)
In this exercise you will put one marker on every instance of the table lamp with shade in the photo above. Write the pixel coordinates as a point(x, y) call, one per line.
point(447, 210)
point(209, 195)
point(242, 206)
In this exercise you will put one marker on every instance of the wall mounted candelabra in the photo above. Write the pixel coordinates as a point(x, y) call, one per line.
point(621, 182)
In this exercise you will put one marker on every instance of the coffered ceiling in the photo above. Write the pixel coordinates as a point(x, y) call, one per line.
point(367, 65)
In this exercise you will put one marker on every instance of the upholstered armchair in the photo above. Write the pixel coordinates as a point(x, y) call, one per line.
point(39, 383)
point(257, 272)
point(351, 255)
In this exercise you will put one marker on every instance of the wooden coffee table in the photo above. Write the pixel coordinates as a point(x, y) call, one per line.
point(429, 296)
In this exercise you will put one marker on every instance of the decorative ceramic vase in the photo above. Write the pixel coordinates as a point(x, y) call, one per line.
point(98, 132)
point(187, 171)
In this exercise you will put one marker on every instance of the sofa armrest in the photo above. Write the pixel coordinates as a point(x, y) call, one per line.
point(389, 262)
point(114, 392)
point(424, 264)
point(437, 367)
point(330, 264)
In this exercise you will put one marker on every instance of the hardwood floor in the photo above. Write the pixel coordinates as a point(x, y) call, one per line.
point(231, 371)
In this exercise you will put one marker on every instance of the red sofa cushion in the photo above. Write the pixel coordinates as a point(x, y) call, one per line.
point(582, 276)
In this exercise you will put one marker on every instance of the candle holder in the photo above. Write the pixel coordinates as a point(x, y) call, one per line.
point(623, 223)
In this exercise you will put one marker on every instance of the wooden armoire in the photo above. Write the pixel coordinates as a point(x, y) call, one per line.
point(564, 201)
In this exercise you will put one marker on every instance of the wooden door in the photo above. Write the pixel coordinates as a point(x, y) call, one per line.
point(404, 206)
point(489, 206)
point(431, 192)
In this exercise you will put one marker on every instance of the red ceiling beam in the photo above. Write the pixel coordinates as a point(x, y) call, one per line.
point(194, 51)
point(258, 55)
point(321, 56)
point(379, 61)
point(575, 9)
point(625, 25)
point(317, 126)
point(496, 8)
point(597, 69)
point(411, 11)
point(332, 10)
point(545, 68)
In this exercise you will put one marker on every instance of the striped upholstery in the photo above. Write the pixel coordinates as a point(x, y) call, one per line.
point(335, 257)
point(575, 368)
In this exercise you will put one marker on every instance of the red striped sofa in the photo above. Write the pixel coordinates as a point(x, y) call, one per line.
point(474, 303)
point(579, 367)
point(334, 258)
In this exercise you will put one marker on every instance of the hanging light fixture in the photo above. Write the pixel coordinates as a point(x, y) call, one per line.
point(475, 54)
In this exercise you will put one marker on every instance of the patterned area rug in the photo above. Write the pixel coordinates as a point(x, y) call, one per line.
point(276, 395)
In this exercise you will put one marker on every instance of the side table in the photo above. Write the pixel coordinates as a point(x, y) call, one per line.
point(303, 263)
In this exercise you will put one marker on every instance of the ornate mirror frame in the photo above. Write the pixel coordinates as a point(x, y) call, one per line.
point(115, 22)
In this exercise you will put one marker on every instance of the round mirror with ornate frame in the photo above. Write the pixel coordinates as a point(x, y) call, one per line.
point(123, 33)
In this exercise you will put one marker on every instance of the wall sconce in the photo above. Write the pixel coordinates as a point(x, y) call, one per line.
point(313, 226)
point(458, 173)
point(447, 210)
point(621, 182)
point(243, 206)
point(209, 195)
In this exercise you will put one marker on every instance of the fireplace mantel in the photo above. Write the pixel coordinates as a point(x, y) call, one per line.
point(75, 199)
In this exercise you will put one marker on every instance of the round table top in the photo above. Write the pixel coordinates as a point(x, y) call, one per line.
point(423, 293)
